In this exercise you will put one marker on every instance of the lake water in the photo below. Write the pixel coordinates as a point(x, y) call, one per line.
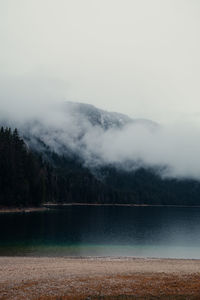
point(103, 231)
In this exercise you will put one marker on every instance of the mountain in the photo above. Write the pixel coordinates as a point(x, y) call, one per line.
point(73, 148)
point(104, 119)
point(78, 129)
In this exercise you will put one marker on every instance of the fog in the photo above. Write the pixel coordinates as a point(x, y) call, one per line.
point(64, 128)
point(140, 58)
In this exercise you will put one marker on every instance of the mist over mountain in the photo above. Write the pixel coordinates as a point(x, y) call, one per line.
point(99, 138)
point(81, 129)
point(93, 156)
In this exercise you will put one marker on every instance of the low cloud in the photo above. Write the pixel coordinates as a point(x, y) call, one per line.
point(176, 147)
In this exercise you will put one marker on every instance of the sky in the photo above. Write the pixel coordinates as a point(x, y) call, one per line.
point(137, 57)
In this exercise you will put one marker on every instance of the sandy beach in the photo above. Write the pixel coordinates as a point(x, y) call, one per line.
point(98, 278)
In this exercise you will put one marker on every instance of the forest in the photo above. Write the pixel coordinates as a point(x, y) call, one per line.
point(22, 175)
point(30, 178)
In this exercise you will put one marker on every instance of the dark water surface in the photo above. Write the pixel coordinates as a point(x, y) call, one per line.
point(103, 231)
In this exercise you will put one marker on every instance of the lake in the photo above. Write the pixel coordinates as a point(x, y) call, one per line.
point(103, 231)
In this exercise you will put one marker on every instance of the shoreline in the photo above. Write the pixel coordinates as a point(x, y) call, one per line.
point(78, 278)
point(49, 206)
point(5, 210)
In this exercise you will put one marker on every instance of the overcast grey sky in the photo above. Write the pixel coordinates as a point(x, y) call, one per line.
point(139, 57)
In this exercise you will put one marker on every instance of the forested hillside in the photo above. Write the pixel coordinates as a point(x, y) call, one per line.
point(22, 175)
point(26, 179)
point(30, 178)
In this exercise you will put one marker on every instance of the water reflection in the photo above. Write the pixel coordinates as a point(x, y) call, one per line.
point(103, 231)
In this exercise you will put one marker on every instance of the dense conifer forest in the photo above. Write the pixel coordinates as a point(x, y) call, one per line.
point(22, 175)
point(29, 178)
point(26, 179)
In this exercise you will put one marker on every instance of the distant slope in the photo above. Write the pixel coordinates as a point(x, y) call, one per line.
point(28, 180)
point(98, 117)
point(65, 169)
point(72, 127)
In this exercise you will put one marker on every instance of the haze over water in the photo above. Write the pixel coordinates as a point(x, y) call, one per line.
point(103, 231)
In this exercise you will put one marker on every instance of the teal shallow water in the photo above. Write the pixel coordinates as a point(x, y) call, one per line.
point(101, 251)
point(103, 231)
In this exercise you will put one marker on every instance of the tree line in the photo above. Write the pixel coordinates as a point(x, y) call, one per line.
point(22, 175)
point(29, 178)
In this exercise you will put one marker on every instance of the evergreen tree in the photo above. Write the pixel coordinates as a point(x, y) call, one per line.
point(22, 175)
